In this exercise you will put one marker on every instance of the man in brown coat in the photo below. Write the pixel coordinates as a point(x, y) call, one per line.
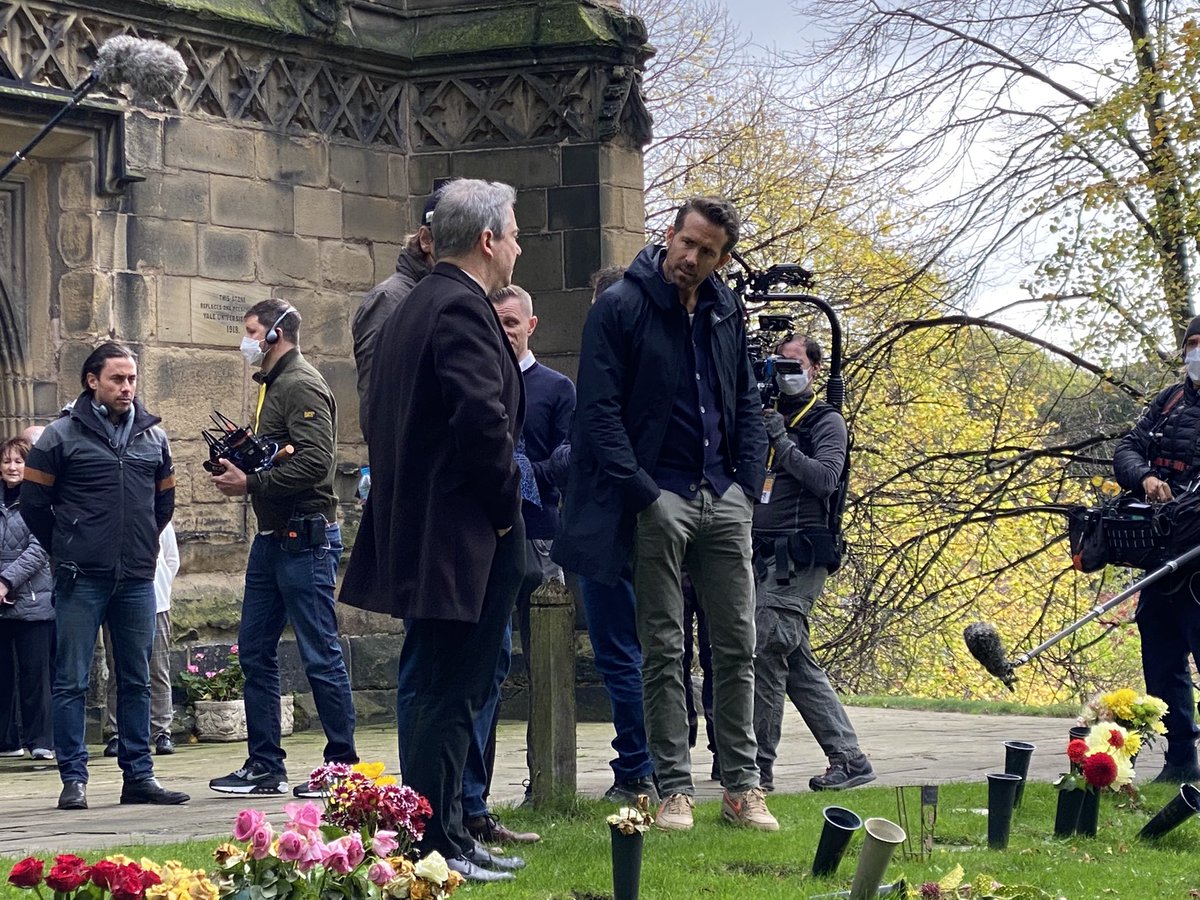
point(442, 543)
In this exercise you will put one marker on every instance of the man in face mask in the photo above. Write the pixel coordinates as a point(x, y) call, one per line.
point(1159, 459)
point(794, 552)
point(294, 557)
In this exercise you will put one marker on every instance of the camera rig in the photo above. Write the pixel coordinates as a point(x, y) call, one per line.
point(241, 446)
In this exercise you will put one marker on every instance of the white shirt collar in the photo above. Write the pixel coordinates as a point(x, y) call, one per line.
point(527, 361)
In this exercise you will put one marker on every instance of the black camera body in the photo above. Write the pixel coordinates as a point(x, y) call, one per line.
point(771, 330)
point(239, 445)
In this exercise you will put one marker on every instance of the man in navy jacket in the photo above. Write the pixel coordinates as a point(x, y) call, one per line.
point(669, 438)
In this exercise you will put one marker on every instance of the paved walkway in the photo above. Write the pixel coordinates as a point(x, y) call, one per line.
point(906, 748)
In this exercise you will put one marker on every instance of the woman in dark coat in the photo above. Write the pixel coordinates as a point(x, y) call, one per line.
point(26, 618)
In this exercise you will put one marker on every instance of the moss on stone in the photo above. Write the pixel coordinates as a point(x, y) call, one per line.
point(533, 27)
point(277, 15)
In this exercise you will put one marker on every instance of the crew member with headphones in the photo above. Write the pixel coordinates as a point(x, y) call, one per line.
point(294, 558)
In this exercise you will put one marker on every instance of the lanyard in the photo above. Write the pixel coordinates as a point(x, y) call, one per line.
point(262, 395)
point(792, 424)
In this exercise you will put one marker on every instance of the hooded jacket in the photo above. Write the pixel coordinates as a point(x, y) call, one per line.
point(25, 568)
point(94, 506)
point(634, 353)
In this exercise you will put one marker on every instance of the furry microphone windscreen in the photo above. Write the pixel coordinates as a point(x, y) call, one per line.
point(150, 68)
point(983, 640)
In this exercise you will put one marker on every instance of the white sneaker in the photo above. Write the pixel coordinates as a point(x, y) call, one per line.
point(749, 808)
point(41, 753)
point(12, 754)
point(675, 814)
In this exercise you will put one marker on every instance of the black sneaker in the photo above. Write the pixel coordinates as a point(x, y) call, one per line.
point(110, 748)
point(627, 792)
point(844, 772)
point(310, 791)
point(252, 778)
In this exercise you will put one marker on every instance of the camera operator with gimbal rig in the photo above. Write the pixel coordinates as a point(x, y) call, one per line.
point(794, 552)
point(1159, 459)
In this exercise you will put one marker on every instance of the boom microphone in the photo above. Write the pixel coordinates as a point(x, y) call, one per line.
point(983, 640)
point(150, 68)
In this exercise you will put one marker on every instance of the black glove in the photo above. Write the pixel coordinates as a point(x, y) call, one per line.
point(776, 426)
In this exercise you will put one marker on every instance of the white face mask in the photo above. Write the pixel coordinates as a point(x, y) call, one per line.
point(252, 350)
point(792, 384)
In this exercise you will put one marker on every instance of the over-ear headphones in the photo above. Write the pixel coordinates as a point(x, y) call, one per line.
point(273, 332)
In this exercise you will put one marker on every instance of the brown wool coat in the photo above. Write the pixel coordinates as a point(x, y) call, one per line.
point(446, 406)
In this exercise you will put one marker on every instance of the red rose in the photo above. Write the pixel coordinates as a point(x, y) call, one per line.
point(27, 873)
point(71, 860)
point(128, 884)
point(148, 878)
point(1100, 770)
point(64, 878)
point(104, 873)
point(1077, 750)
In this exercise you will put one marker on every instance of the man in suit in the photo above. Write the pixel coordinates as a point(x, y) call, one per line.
point(442, 543)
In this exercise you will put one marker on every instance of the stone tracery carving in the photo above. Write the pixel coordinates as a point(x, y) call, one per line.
point(42, 44)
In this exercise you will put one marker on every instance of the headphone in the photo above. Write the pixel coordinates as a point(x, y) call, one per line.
point(273, 332)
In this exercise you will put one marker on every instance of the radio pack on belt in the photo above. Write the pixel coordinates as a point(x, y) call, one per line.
point(304, 533)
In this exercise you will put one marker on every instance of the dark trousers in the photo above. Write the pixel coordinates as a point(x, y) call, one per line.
point(446, 673)
point(26, 662)
point(1168, 619)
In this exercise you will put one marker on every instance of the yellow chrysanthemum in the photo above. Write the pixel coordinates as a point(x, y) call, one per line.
point(386, 780)
point(119, 859)
point(1133, 744)
point(1121, 703)
point(372, 769)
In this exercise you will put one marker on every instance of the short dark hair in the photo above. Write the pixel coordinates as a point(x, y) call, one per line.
point(603, 279)
point(18, 444)
point(94, 364)
point(811, 348)
point(719, 212)
point(273, 310)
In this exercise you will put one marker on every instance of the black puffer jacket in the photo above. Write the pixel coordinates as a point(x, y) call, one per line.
point(1164, 445)
point(96, 507)
point(25, 568)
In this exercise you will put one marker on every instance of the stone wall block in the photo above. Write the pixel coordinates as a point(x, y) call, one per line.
point(75, 237)
point(175, 309)
point(318, 212)
point(561, 315)
point(163, 244)
point(186, 385)
point(292, 160)
point(77, 186)
point(133, 304)
point(398, 174)
point(342, 378)
point(375, 659)
point(143, 142)
point(77, 303)
point(241, 203)
point(284, 259)
point(525, 166)
point(539, 267)
point(531, 210)
point(424, 169)
point(621, 167)
point(227, 254)
point(175, 195)
point(204, 146)
point(581, 257)
point(385, 256)
point(325, 328)
point(635, 211)
point(619, 247)
point(581, 164)
point(573, 207)
point(358, 170)
point(372, 218)
point(347, 266)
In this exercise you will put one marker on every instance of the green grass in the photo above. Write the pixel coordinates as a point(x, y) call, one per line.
point(715, 860)
point(975, 707)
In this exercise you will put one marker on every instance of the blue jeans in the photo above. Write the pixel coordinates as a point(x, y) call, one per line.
point(82, 604)
point(612, 626)
point(477, 773)
point(294, 587)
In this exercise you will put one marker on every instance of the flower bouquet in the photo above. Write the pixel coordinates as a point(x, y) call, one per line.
point(119, 876)
point(1138, 713)
point(359, 846)
point(204, 680)
point(1102, 761)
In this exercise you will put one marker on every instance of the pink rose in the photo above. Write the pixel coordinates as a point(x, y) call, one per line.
point(247, 823)
point(314, 853)
point(210, 674)
point(355, 851)
point(233, 649)
point(193, 668)
point(260, 841)
point(384, 843)
point(336, 859)
point(380, 873)
point(291, 846)
point(303, 817)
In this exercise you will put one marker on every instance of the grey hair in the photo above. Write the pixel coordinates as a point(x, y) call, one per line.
point(514, 292)
point(466, 208)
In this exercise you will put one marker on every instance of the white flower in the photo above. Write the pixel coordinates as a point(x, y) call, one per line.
point(1109, 737)
point(432, 868)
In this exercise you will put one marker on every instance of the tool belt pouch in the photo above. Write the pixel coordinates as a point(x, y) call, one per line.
point(304, 533)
